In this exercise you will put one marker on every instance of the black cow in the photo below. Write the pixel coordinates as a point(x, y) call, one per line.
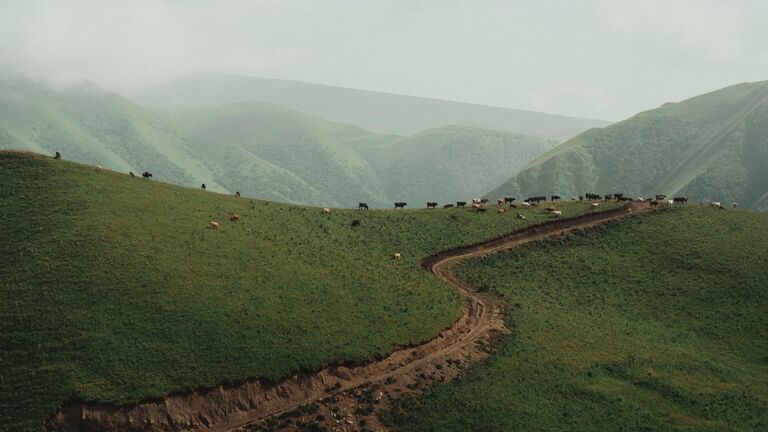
point(509, 200)
point(356, 222)
point(147, 174)
point(461, 204)
point(555, 197)
point(400, 205)
point(484, 200)
point(203, 187)
point(448, 206)
point(625, 199)
point(431, 204)
point(362, 206)
point(536, 199)
point(590, 196)
point(680, 200)
point(58, 156)
point(661, 197)
point(237, 194)
point(618, 196)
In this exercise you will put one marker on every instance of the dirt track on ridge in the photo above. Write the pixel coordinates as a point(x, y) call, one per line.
point(343, 398)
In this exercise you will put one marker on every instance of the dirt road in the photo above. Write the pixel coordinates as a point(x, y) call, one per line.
point(341, 397)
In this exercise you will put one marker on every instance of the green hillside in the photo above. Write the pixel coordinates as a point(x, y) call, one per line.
point(259, 149)
point(379, 112)
point(115, 290)
point(713, 146)
point(93, 126)
point(452, 161)
point(651, 324)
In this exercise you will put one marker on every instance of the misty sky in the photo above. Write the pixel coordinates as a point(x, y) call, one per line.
point(604, 59)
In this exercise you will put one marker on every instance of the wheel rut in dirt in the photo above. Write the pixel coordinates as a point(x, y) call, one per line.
point(336, 394)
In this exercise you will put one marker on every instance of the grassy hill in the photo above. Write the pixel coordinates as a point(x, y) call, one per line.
point(114, 289)
point(259, 149)
point(713, 146)
point(449, 162)
point(651, 324)
point(378, 112)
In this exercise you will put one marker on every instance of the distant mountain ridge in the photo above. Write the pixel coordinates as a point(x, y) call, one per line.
point(709, 147)
point(374, 111)
point(261, 150)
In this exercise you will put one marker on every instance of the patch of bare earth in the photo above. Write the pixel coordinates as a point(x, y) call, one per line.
point(338, 398)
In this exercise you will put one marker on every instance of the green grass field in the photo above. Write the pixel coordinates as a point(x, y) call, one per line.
point(113, 289)
point(658, 323)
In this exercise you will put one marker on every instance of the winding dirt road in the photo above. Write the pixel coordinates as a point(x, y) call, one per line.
point(337, 395)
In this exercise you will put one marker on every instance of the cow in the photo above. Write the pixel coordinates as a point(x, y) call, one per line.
point(501, 210)
point(509, 200)
point(521, 216)
point(655, 203)
point(595, 205)
point(362, 206)
point(618, 196)
point(715, 204)
point(592, 197)
point(735, 204)
point(500, 202)
point(99, 168)
point(448, 206)
point(214, 225)
point(234, 218)
point(237, 194)
point(400, 205)
point(557, 214)
point(477, 201)
point(607, 197)
point(431, 204)
point(461, 204)
point(661, 197)
point(57, 156)
point(356, 222)
point(130, 173)
point(481, 209)
point(326, 211)
point(147, 174)
point(396, 256)
point(484, 200)
point(680, 200)
point(549, 209)
point(625, 199)
point(555, 197)
point(203, 186)
point(526, 204)
point(536, 199)
point(581, 198)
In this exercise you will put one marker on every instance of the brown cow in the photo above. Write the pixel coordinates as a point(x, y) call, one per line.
point(214, 225)
point(234, 218)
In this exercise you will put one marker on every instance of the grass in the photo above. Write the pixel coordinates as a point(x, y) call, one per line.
point(657, 323)
point(114, 290)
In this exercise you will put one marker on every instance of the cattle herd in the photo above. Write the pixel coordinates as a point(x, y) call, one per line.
point(479, 204)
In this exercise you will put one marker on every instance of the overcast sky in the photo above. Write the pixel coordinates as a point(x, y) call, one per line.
point(604, 59)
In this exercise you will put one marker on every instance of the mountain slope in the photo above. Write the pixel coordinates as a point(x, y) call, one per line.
point(259, 149)
point(114, 289)
point(644, 325)
point(93, 126)
point(713, 146)
point(374, 111)
point(449, 163)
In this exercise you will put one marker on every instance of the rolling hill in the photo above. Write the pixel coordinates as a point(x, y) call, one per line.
point(260, 149)
point(713, 146)
point(116, 291)
point(378, 112)
point(647, 324)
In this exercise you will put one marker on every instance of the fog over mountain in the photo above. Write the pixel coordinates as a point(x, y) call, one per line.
point(552, 56)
